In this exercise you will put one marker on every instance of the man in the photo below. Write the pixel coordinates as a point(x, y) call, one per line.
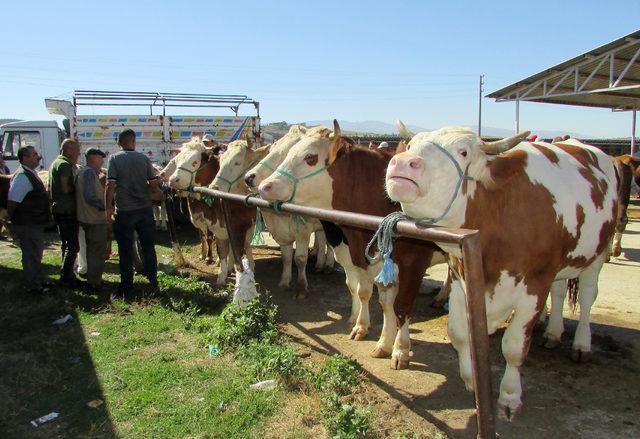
point(63, 207)
point(131, 178)
point(28, 209)
point(91, 216)
point(4, 169)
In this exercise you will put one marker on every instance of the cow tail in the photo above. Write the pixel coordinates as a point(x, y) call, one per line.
point(572, 293)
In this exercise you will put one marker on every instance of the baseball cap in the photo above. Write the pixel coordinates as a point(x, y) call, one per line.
point(94, 151)
point(383, 145)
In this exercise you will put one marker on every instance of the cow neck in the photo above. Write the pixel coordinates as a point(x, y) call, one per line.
point(358, 182)
point(295, 179)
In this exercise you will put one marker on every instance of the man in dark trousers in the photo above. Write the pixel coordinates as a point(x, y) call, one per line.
point(131, 178)
point(28, 209)
point(63, 206)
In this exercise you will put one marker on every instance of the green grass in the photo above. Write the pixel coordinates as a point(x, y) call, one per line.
point(149, 363)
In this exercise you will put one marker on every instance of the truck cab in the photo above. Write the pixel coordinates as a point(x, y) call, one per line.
point(44, 135)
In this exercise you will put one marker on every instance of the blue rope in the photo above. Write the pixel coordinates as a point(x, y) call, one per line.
point(383, 238)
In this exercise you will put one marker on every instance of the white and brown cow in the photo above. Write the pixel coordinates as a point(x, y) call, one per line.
point(332, 173)
point(287, 229)
point(628, 171)
point(546, 213)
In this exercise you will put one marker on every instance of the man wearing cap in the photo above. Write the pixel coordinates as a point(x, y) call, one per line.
point(63, 206)
point(131, 178)
point(91, 215)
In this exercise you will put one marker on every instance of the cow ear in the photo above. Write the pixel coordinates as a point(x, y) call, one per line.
point(403, 145)
point(259, 153)
point(338, 146)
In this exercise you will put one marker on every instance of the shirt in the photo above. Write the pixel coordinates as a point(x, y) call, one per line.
point(131, 171)
point(60, 202)
point(89, 188)
point(20, 185)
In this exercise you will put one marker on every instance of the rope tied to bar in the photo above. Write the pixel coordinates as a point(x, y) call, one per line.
point(383, 238)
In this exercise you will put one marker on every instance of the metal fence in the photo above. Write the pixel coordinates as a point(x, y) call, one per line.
point(469, 242)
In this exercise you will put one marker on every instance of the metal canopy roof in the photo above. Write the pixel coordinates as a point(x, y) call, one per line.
point(607, 77)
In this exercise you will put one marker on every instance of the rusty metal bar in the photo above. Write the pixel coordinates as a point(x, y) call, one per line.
point(469, 241)
point(478, 334)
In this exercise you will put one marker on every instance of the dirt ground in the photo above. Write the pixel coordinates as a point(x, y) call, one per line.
point(600, 399)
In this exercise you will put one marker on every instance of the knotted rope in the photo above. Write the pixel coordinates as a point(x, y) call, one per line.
point(383, 238)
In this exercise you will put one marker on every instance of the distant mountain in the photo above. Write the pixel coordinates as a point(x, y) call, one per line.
point(3, 121)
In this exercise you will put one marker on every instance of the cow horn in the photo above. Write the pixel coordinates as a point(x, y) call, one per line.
point(405, 132)
point(336, 128)
point(505, 144)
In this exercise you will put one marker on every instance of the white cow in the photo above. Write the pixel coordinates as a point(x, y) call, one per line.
point(546, 213)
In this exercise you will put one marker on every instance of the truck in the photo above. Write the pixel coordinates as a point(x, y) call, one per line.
point(158, 135)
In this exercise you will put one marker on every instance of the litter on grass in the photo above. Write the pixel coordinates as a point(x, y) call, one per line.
point(62, 320)
point(46, 418)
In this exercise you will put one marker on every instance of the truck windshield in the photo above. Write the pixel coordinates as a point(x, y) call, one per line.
point(14, 140)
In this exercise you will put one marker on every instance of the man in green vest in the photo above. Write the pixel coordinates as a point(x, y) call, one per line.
point(28, 209)
point(91, 215)
point(63, 207)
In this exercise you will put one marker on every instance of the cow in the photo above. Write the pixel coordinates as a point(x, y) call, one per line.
point(627, 169)
point(546, 213)
point(348, 177)
point(196, 165)
point(287, 229)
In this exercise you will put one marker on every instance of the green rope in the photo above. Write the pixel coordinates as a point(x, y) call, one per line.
point(258, 228)
point(295, 180)
point(229, 182)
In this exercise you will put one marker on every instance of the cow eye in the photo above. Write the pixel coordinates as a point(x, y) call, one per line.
point(311, 159)
point(463, 153)
point(194, 164)
point(236, 164)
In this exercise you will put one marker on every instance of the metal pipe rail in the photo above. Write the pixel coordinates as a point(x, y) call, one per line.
point(469, 242)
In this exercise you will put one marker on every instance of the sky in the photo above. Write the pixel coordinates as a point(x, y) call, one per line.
point(351, 60)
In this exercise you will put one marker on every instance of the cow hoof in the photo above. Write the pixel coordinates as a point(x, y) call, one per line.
point(438, 303)
point(208, 261)
point(379, 352)
point(550, 343)
point(507, 413)
point(358, 333)
point(617, 251)
point(283, 285)
point(301, 295)
point(580, 356)
point(399, 362)
point(318, 269)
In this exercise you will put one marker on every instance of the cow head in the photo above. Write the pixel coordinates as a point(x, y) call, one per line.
point(234, 162)
point(426, 177)
point(302, 177)
point(188, 162)
point(277, 153)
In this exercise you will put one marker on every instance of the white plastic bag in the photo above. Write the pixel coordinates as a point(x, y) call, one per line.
point(245, 290)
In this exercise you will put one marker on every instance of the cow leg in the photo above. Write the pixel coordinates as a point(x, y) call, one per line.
point(555, 327)
point(352, 276)
point(386, 297)
point(301, 256)
point(402, 347)
point(515, 345)
point(616, 249)
point(287, 260)
point(443, 296)
point(163, 217)
point(210, 245)
point(330, 260)
point(223, 255)
point(203, 244)
point(365, 290)
point(459, 332)
point(587, 293)
point(320, 243)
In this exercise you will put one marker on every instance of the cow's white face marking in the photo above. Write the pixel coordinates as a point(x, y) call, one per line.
point(233, 163)
point(187, 163)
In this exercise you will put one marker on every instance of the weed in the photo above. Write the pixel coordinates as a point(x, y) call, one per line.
point(338, 375)
point(345, 421)
point(279, 361)
point(236, 328)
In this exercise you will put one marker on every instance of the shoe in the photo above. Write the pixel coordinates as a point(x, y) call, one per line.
point(154, 290)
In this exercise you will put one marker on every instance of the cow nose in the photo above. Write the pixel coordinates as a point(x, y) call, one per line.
point(409, 163)
point(249, 180)
point(266, 188)
point(415, 163)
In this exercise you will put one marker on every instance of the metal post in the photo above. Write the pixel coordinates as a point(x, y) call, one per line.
point(478, 334)
point(633, 132)
point(480, 105)
point(517, 116)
